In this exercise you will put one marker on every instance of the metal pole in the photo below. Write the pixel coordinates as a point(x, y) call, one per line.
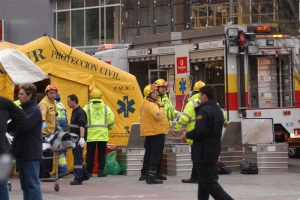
point(230, 11)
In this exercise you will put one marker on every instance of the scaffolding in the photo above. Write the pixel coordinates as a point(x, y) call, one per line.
point(211, 15)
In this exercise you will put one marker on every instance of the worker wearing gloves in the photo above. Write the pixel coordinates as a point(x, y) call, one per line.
point(171, 114)
point(100, 120)
point(49, 112)
point(154, 125)
point(62, 121)
point(77, 126)
point(188, 118)
point(170, 111)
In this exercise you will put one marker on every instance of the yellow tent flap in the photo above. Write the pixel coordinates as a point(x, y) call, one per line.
point(75, 72)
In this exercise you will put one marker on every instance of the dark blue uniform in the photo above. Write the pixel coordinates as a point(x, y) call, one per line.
point(78, 119)
point(206, 149)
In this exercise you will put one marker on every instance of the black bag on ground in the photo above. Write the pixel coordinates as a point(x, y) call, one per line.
point(248, 168)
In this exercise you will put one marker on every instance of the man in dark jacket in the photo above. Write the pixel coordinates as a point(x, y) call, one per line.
point(8, 110)
point(27, 144)
point(207, 144)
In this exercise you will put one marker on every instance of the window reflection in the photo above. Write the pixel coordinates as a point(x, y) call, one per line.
point(92, 27)
point(63, 27)
point(77, 30)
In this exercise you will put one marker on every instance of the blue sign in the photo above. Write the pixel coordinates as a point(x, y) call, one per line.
point(182, 87)
point(126, 106)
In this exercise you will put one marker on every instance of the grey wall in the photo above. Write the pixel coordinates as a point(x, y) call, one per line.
point(25, 20)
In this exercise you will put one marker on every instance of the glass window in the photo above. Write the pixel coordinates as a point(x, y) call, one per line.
point(54, 6)
point(162, 2)
point(54, 25)
point(146, 3)
point(91, 3)
point(63, 4)
point(77, 3)
point(77, 28)
point(129, 4)
point(112, 24)
point(102, 22)
point(146, 30)
point(63, 27)
point(145, 16)
point(163, 29)
point(162, 15)
point(128, 35)
point(181, 17)
point(108, 2)
point(212, 73)
point(129, 18)
point(92, 27)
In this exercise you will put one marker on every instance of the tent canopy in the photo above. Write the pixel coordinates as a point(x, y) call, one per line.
point(76, 72)
point(15, 69)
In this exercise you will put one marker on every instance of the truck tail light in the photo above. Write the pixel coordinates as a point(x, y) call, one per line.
point(257, 113)
point(286, 112)
point(297, 132)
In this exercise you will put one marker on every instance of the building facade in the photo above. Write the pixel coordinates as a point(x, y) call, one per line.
point(86, 24)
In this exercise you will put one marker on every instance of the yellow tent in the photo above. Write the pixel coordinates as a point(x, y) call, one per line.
point(5, 45)
point(75, 72)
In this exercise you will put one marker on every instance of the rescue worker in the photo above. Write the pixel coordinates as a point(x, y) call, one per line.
point(171, 113)
point(100, 120)
point(62, 121)
point(206, 138)
point(77, 126)
point(147, 91)
point(188, 118)
point(49, 112)
point(154, 125)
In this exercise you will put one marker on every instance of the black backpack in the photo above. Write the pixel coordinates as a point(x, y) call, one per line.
point(248, 168)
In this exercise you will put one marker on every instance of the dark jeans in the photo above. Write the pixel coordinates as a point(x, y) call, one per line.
point(29, 179)
point(207, 184)
point(80, 172)
point(154, 150)
point(4, 190)
point(91, 147)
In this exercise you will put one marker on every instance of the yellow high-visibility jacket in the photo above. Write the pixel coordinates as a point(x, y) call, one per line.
point(49, 114)
point(100, 120)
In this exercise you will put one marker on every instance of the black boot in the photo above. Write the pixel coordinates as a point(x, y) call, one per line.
point(190, 180)
point(151, 178)
point(101, 173)
point(144, 173)
point(160, 176)
point(142, 177)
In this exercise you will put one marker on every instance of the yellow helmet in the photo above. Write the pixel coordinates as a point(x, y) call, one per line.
point(148, 89)
point(198, 85)
point(51, 87)
point(96, 93)
point(161, 82)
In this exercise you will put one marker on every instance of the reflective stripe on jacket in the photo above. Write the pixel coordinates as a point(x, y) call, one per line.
point(188, 116)
point(169, 108)
point(100, 120)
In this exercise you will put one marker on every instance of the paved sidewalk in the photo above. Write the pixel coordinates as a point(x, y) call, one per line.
point(241, 187)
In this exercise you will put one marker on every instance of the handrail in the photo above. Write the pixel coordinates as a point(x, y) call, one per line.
point(210, 15)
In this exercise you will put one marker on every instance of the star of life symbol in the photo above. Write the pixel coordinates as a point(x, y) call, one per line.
point(182, 84)
point(126, 106)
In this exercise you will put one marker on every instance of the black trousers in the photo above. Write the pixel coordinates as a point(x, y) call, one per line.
point(207, 184)
point(91, 148)
point(154, 146)
point(46, 164)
